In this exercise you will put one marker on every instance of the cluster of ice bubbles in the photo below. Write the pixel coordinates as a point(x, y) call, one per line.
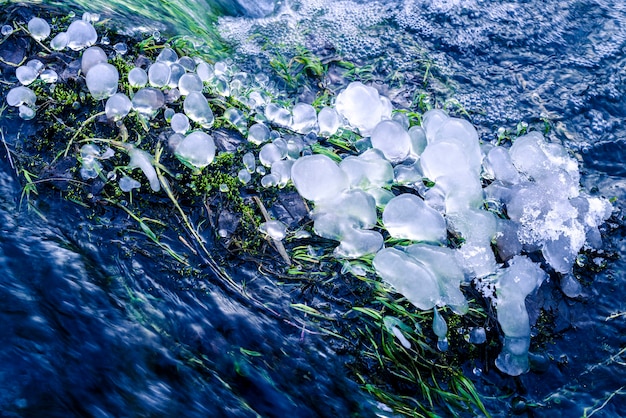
point(533, 186)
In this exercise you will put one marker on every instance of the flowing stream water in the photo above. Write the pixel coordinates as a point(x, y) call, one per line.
point(93, 324)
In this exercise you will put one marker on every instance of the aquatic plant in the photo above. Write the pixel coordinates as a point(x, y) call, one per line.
point(425, 206)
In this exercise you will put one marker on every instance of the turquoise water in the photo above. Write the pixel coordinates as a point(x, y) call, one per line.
point(96, 332)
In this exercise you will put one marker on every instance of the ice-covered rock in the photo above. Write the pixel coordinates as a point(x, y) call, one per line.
point(197, 149)
point(102, 81)
point(362, 107)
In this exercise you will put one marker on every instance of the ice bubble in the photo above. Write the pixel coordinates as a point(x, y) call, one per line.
point(408, 276)
point(148, 101)
point(36, 65)
point(278, 115)
point(258, 133)
point(464, 134)
point(80, 34)
point(102, 80)
point(355, 243)
point(356, 206)
point(180, 123)
point(25, 112)
point(269, 180)
point(204, 71)
point(369, 169)
point(445, 157)
point(197, 149)
point(236, 118)
point(304, 119)
point(432, 121)
point(249, 162)
point(59, 42)
point(406, 216)
point(269, 154)
point(197, 109)
point(127, 184)
point(221, 68)
point(6, 30)
point(418, 140)
point(174, 140)
point(187, 63)
point(317, 177)
point(499, 166)
point(441, 262)
point(49, 76)
point(455, 193)
point(221, 86)
point(176, 72)
point(282, 170)
point(117, 106)
point(515, 282)
point(244, 176)
point(90, 166)
point(26, 75)
point(392, 139)
point(143, 160)
point(159, 74)
point(362, 107)
point(21, 95)
point(477, 227)
point(328, 121)
point(120, 48)
point(92, 56)
point(39, 29)
point(188, 83)
point(274, 229)
point(137, 77)
point(167, 56)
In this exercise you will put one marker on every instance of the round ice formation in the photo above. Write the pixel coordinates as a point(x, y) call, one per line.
point(102, 81)
point(328, 121)
point(392, 139)
point(39, 29)
point(258, 133)
point(274, 229)
point(362, 107)
point(269, 154)
point(176, 72)
point(197, 109)
point(180, 123)
point(159, 74)
point(49, 76)
point(304, 118)
point(127, 184)
point(59, 42)
point(197, 149)
point(117, 106)
point(26, 75)
point(25, 112)
point(18, 96)
point(317, 177)
point(278, 115)
point(137, 77)
point(148, 101)
point(367, 170)
point(432, 121)
point(80, 34)
point(188, 83)
point(407, 216)
point(6, 30)
point(92, 56)
point(167, 56)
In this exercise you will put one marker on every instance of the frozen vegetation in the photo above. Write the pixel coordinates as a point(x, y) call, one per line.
point(446, 172)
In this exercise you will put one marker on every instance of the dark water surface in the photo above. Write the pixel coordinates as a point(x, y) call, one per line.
point(95, 322)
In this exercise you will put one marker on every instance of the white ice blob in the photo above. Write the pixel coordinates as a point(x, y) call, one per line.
point(317, 177)
point(39, 29)
point(81, 34)
point(102, 80)
point(197, 149)
point(117, 106)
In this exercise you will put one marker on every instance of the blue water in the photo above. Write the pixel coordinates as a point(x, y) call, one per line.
point(97, 323)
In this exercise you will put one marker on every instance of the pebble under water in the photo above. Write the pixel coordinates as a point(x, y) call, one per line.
point(98, 325)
